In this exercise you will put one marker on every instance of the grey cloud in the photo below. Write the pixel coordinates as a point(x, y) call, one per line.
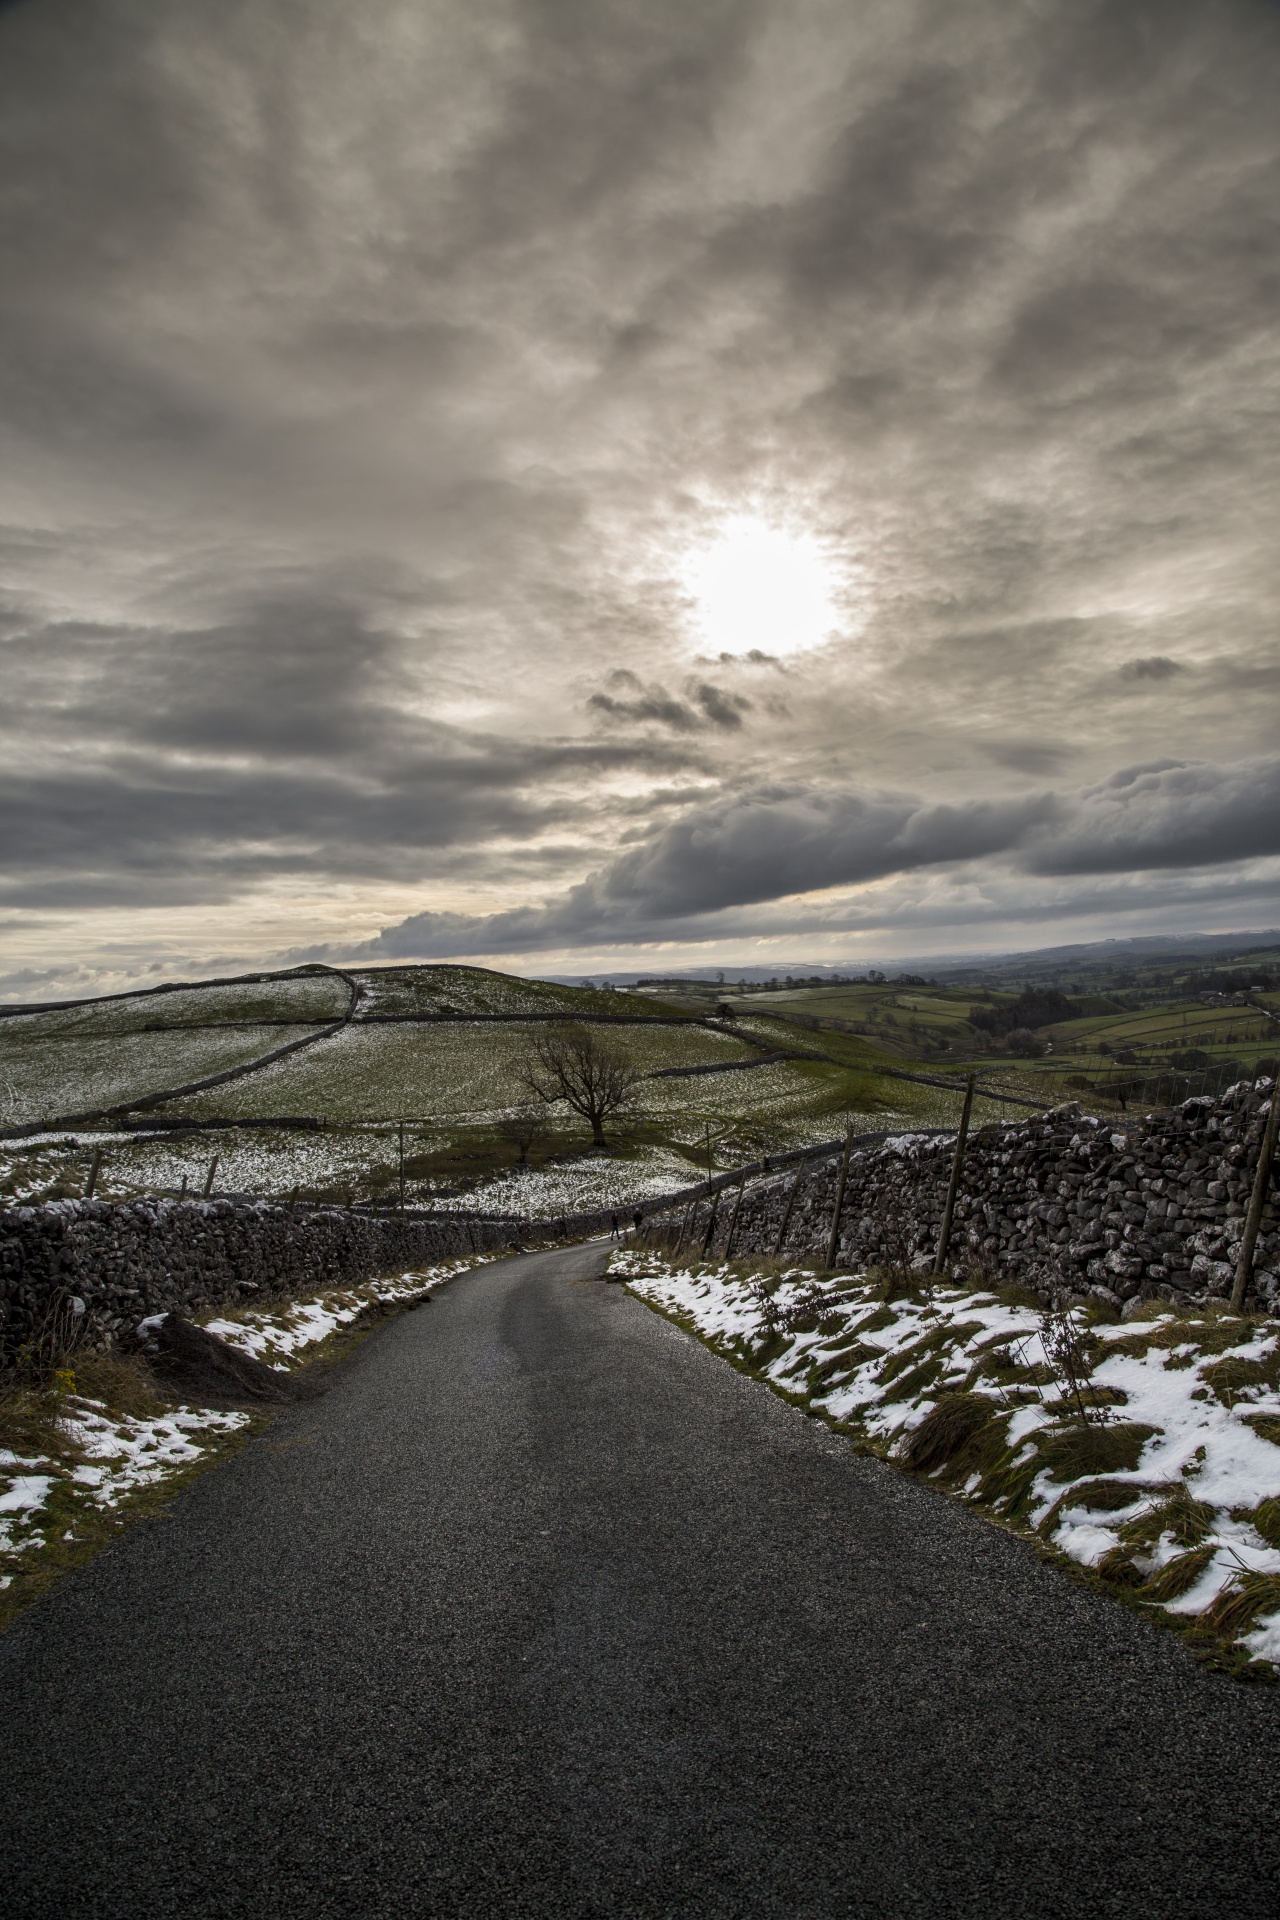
point(1029, 756)
point(367, 374)
point(135, 830)
point(1170, 815)
point(652, 704)
point(182, 766)
point(721, 709)
point(1091, 340)
point(760, 846)
point(887, 220)
point(1154, 666)
point(706, 705)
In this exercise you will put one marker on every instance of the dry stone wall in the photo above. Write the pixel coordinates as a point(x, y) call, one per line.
point(1066, 1202)
point(128, 1261)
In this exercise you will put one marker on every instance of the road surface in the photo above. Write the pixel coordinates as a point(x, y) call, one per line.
point(545, 1610)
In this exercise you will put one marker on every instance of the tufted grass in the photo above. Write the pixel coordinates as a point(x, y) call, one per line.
point(1265, 1519)
point(953, 1436)
point(1236, 1608)
point(1178, 1576)
point(1186, 1519)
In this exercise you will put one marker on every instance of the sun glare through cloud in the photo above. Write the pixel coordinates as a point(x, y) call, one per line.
point(757, 585)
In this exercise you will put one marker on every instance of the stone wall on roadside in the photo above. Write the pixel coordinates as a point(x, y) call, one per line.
point(1065, 1202)
point(129, 1260)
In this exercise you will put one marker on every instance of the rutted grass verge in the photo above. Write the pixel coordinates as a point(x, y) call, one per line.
point(1142, 1457)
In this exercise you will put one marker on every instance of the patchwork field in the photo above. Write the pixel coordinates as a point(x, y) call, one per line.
point(411, 1093)
point(69, 1060)
point(1152, 1044)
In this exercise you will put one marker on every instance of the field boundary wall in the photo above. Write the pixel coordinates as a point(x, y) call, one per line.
point(128, 1260)
point(146, 1100)
point(1066, 1203)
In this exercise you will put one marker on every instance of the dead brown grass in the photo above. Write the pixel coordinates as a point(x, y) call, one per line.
point(1239, 1604)
point(123, 1382)
point(1178, 1576)
point(950, 1433)
point(32, 1425)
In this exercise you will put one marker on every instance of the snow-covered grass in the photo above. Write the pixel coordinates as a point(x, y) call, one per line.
point(98, 1448)
point(266, 1161)
point(290, 1332)
point(122, 1453)
point(275, 1162)
point(583, 1186)
point(784, 1091)
point(1147, 1452)
point(74, 1468)
point(318, 998)
point(45, 1075)
point(450, 989)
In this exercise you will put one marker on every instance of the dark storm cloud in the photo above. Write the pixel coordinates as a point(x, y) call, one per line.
point(760, 846)
point(367, 374)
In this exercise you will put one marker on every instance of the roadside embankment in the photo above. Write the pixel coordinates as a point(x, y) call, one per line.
point(1145, 1453)
point(104, 1438)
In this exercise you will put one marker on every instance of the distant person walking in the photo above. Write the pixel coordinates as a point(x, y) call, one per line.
point(637, 1219)
point(613, 1226)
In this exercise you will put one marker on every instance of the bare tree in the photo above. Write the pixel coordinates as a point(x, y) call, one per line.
point(594, 1078)
point(523, 1128)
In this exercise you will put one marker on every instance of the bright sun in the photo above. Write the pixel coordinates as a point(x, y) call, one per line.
point(758, 586)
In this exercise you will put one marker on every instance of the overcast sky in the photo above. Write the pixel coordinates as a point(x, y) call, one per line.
point(392, 395)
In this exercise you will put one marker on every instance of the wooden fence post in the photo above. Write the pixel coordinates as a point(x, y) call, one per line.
point(213, 1168)
point(786, 1217)
point(944, 1233)
point(711, 1223)
point(92, 1181)
point(833, 1244)
point(1253, 1221)
point(733, 1224)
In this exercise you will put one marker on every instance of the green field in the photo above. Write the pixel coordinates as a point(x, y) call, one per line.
point(1157, 1044)
point(450, 1071)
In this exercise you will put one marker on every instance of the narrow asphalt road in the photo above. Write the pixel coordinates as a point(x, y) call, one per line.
point(544, 1610)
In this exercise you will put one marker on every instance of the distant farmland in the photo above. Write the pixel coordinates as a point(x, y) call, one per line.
point(399, 1078)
